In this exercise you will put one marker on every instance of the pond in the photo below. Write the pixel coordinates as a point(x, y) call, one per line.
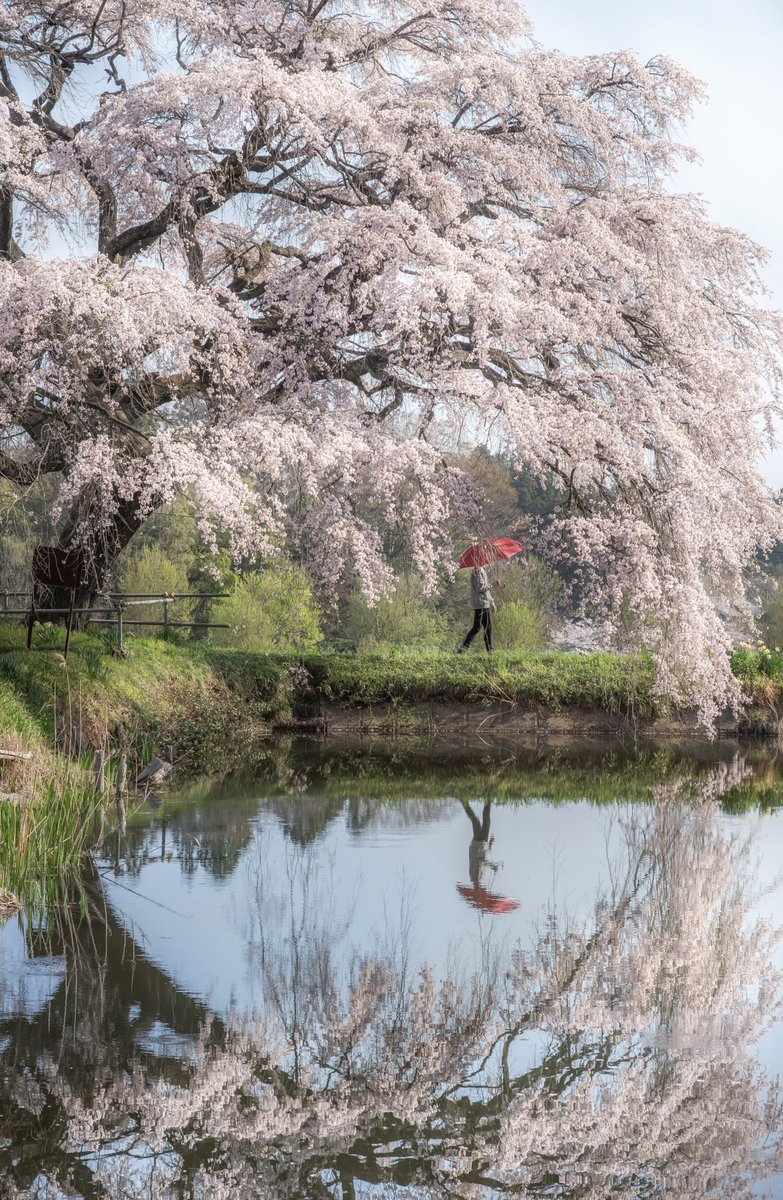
point(416, 971)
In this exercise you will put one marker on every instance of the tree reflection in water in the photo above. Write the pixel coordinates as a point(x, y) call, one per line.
point(608, 1056)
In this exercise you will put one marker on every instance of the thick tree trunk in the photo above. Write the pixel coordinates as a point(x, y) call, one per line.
point(102, 552)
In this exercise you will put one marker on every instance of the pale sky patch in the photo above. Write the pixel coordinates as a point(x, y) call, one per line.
point(736, 49)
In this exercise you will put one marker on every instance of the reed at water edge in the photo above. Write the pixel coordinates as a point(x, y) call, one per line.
point(45, 836)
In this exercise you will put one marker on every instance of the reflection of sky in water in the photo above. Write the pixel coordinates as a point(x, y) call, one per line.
point(160, 1039)
point(26, 984)
point(549, 854)
point(197, 927)
point(768, 832)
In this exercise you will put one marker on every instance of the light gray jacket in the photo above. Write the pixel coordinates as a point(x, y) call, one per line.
point(480, 595)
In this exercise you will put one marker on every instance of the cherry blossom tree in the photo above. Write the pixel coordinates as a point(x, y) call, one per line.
point(256, 252)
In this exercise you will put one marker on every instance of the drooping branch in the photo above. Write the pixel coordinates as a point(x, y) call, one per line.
point(27, 471)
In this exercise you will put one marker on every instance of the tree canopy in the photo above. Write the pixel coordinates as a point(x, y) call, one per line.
point(256, 252)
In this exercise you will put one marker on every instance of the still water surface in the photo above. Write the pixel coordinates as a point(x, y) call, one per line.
point(415, 972)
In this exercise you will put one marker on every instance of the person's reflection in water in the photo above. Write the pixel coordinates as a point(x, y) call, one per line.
point(479, 865)
point(478, 861)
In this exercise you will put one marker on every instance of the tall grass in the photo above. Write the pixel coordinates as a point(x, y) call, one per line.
point(45, 837)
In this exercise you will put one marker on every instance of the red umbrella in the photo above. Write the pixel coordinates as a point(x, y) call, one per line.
point(490, 902)
point(489, 551)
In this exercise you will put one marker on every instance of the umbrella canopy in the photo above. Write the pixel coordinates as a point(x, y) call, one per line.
point(490, 550)
point(486, 901)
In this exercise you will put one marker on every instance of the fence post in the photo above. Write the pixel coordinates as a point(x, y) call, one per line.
point(100, 773)
point(120, 645)
point(165, 616)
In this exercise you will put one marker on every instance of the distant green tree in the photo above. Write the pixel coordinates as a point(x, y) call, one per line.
point(500, 513)
point(14, 567)
point(172, 529)
point(771, 620)
point(25, 522)
point(535, 495)
point(153, 571)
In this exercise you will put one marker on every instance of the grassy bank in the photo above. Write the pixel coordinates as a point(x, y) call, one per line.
point(202, 699)
point(160, 693)
point(614, 683)
point(211, 703)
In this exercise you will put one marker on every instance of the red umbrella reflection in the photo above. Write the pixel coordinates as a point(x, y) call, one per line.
point(478, 897)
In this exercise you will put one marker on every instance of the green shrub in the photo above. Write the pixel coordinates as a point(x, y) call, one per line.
point(270, 611)
point(15, 567)
point(750, 664)
point(519, 625)
point(404, 618)
point(771, 619)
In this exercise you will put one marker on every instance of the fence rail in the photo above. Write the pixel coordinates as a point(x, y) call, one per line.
point(116, 604)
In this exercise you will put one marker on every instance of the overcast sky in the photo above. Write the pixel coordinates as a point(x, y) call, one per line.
point(736, 48)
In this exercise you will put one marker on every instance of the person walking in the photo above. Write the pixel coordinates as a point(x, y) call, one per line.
point(483, 607)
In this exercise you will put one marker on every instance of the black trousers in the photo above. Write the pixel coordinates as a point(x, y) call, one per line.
point(481, 617)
